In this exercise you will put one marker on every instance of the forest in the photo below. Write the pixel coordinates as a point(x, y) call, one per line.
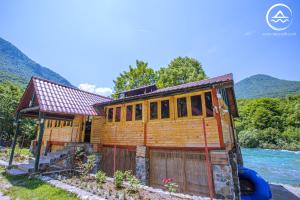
point(272, 123)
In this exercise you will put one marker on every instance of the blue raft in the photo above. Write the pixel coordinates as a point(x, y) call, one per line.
point(253, 186)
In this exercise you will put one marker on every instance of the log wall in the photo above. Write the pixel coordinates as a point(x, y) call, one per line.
point(171, 132)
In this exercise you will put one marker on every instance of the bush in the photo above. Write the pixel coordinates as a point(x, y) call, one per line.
point(118, 179)
point(133, 182)
point(100, 177)
point(170, 185)
point(249, 138)
point(89, 165)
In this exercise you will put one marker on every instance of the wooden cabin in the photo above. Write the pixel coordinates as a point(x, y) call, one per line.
point(184, 132)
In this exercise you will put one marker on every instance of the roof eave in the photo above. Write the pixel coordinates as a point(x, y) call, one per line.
point(164, 93)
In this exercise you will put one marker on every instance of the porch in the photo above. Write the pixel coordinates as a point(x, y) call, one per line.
point(62, 115)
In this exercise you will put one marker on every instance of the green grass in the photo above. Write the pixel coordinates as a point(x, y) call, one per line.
point(24, 188)
point(20, 153)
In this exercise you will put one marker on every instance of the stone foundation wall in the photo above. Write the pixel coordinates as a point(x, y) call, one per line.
point(142, 164)
point(233, 159)
point(225, 175)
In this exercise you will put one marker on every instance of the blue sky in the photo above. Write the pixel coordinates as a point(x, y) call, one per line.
point(93, 41)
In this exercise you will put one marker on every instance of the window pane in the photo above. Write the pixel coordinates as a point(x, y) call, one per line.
point(138, 112)
point(208, 104)
point(196, 105)
point(118, 114)
point(165, 109)
point(153, 110)
point(110, 114)
point(129, 113)
point(181, 107)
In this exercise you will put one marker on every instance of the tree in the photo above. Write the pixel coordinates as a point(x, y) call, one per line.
point(138, 76)
point(10, 95)
point(180, 70)
point(9, 98)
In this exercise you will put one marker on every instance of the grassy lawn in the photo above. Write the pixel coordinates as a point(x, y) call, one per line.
point(20, 154)
point(24, 188)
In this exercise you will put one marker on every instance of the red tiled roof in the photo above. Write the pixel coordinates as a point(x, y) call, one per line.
point(56, 98)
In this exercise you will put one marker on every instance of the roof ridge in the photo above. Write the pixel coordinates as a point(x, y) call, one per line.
point(217, 77)
point(75, 88)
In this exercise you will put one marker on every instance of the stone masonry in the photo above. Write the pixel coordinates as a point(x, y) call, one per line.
point(142, 164)
point(225, 175)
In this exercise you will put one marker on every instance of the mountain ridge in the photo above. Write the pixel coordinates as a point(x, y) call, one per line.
point(262, 85)
point(17, 67)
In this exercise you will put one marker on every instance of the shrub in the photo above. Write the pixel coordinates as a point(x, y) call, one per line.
point(89, 165)
point(133, 181)
point(100, 177)
point(118, 179)
point(249, 138)
point(171, 186)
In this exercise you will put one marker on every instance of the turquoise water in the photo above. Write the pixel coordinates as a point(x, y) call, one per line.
point(275, 166)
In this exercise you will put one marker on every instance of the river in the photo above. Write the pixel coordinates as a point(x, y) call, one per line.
point(275, 166)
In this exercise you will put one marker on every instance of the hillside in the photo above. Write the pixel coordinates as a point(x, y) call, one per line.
point(17, 67)
point(261, 85)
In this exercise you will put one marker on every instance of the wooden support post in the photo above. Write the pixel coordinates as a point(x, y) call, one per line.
point(13, 146)
point(208, 163)
point(218, 116)
point(39, 144)
point(115, 152)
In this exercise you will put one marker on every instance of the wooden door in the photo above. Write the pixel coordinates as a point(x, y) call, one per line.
point(186, 168)
point(119, 159)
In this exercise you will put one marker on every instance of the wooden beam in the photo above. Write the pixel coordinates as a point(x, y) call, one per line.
point(208, 163)
point(39, 144)
point(13, 146)
point(25, 110)
point(185, 148)
point(115, 152)
point(218, 116)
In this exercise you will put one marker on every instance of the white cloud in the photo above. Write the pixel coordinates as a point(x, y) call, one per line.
point(94, 89)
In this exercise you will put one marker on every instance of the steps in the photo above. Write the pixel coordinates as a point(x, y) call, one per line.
point(16, 172)
point(45, 162)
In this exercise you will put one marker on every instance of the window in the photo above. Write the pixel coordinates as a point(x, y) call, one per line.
point(118, 114)
point(110, 114)
point(181, 107)
point(196, 104)
point(57, 123)
point(49, 124)
point(129, 113)
point(68, 123)
point(165, 109)
point(208, 104)
point(138, 111)
point(153, 110)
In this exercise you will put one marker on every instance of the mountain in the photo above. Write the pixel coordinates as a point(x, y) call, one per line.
point(17, 67)
point(261, 85)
